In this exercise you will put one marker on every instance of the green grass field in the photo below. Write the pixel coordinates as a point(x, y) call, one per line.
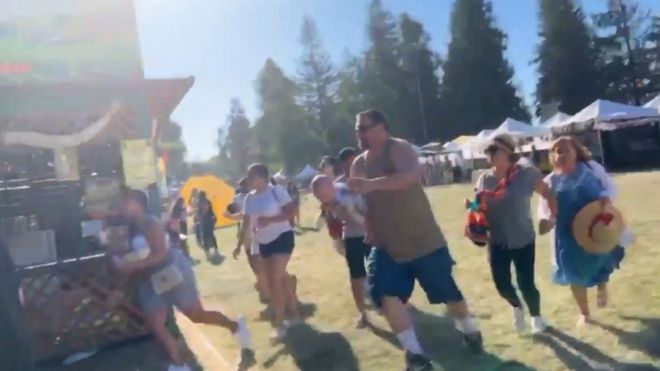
point(628, 337)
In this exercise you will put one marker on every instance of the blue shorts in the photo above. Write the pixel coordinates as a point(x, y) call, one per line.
point(433, 271)
point(282, 245)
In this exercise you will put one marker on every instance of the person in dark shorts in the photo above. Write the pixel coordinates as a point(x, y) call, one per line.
point(350, 209)
point(409, 245)
point(267, 212)
point(177, 227)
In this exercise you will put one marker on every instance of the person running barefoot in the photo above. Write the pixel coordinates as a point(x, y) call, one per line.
point(409, 245)
point(165, 278)
point(577, 185)
point(268, 210)
point(350, 209)
point(507, 189)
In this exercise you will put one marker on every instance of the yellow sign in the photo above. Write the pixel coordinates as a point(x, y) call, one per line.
point(139, 163)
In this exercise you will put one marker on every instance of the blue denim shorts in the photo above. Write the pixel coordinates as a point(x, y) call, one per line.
point(387, 277)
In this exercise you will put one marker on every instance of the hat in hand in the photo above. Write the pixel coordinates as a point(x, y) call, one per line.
point(598, 231)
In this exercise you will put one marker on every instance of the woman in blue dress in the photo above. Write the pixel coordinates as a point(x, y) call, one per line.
point(576, 186)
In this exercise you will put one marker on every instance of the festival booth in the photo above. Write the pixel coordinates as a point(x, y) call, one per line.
point(67, 151)
point(619, 135)
point(78, 123)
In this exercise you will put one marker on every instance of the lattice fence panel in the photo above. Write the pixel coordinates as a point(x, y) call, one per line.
point(78, 305)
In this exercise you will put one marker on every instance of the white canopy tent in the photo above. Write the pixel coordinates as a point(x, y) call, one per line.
point(519, 129)
point(607, 115)
point(654, 103)
point(556, 120)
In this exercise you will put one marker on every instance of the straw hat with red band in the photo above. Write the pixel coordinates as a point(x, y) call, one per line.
point(598, 231)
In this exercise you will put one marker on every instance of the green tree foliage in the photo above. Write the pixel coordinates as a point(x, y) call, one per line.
point(477, 89)
point(282, 131)
point(568, 75)
point(237, 143)
point(381, 79)
point(419, 64)
point(317, 80)
point(626, 38)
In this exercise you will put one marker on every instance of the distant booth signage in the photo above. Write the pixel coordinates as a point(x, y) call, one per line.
point(77, 120)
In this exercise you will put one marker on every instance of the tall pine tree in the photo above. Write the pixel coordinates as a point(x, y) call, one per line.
point(477, 91)
point(419, 64)
point(567, 60)
point(317, 80)
point(381, 81)
point(282, 133)
point(237, 142)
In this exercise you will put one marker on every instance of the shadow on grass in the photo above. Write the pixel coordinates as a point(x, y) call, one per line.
point(580, 356)
point(307, 310)
point(216, 259)
point(315, 350)
point(646, 340)
point(444, 344)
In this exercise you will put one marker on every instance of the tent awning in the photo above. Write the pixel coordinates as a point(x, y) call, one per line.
point(607, 115)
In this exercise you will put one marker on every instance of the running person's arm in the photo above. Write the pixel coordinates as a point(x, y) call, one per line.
point(406, 172)
point(288, 209)
point(358, 171)
point(155, 236)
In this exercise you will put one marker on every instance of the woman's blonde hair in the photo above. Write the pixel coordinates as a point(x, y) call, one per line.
point(581, 151)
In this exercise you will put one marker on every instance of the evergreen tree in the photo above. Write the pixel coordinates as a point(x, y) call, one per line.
point(238, 139)
point(419, 64)
point(568, 74)
point(477, 91)
point(624, 34)
point(282, 133)
point(317, 80)
point(381, 81)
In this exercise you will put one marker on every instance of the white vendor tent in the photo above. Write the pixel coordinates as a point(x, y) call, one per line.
point(306, 174)
point(607, 115)
point(556, 120)
point(654, 103)
point(519, 129)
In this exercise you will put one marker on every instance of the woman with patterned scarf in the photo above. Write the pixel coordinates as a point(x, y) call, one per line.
point(502, 212)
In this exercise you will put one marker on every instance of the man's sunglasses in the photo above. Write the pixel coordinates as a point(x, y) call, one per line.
point(365, 128)
point(492, 150)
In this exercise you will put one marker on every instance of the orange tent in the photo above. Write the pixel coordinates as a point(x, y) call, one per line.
point(218, 192)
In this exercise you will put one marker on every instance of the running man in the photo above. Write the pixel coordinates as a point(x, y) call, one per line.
point(409, 244)
point(350, 209)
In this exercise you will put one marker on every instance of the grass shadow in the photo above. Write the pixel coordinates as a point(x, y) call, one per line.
point(646, 340)
point(216, 259)
point(307, 310)
point(580, 356)
point(444, 344)
point(315, 350)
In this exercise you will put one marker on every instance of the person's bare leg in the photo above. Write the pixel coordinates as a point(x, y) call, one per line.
point(602, 297)
point(292, 297)
point(357, 287)
point(276, 273)
point(582, 301)
point(262, 277)
point(397, 315)
point(198, 314)
point(156, 323)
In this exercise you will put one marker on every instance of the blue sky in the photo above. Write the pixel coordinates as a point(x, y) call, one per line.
point(224, 43)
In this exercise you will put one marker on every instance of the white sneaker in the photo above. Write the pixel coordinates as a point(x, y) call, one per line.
point(538, 325)
point(519, 319)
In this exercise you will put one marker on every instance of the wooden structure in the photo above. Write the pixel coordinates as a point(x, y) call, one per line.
point(75, 303)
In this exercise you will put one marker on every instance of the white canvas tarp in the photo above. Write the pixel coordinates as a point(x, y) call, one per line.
point(306, 174)
point(654, 103)
point(556, 120)
point(607, 115)
point(518, 129)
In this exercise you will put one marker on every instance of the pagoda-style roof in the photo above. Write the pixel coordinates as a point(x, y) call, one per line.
point(69, 107)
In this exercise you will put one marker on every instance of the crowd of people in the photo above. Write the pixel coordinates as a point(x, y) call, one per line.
point(380, 218)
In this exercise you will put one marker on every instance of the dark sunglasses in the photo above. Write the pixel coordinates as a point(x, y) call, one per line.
point(492, 150)
point(365, 128)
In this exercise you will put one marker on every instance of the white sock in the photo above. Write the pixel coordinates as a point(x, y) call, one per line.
point(468, 325)
point(408, 340)
point(243, 335)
